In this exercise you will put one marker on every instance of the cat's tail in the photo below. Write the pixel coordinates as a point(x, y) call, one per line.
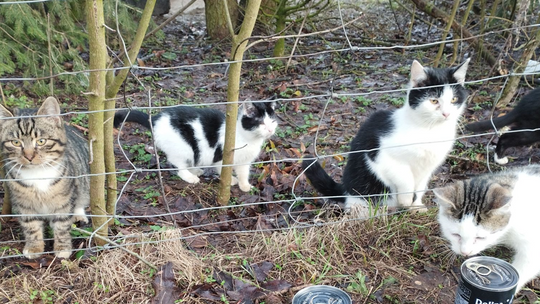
point(499, 122)
point(322, 182)
point(132, 116)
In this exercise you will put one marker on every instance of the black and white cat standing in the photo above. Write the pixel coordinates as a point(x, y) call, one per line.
point(403, 146)
point(194, 137)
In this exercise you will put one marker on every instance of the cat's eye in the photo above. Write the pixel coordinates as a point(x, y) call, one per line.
point(434, 101)
point(16, 143)
point(479, 238)
point(41, 141)
point(456, 235)
point(454, 100)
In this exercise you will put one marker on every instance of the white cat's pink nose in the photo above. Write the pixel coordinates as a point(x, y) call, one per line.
point(445, 115)
point(466, 253)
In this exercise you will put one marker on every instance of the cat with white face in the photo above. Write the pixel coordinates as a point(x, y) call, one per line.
point(400, 149)
point(495, 209)
point(194, 137)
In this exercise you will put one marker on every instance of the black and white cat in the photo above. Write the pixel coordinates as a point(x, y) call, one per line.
point(194, 137)
point(495, 209)
point(402, 147)
point(525, 116)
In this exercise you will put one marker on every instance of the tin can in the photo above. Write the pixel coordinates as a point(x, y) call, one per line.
point(321, 294)
point(486, 280)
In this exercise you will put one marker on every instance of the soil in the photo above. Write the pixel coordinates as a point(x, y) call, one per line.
point(304, 89)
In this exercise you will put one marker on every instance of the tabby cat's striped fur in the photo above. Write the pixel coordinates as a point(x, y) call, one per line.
point(39, 153)
point(492, 209)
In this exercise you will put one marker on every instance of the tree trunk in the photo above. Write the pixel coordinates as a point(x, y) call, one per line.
point(96, 101)
point(281, 17)
point(113, 86)
point(233, 88)
point(216, 21)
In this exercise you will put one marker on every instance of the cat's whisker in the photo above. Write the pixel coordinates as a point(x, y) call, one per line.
point(7, 173)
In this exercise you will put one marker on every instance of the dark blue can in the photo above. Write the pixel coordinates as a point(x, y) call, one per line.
point(486, 280)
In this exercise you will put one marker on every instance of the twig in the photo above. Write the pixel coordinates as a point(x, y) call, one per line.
point(115, 245)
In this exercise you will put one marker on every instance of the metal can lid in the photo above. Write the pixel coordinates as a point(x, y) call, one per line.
point(321, 294)
point(489, 273)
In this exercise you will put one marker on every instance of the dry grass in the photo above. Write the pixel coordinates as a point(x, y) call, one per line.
point(376, 259)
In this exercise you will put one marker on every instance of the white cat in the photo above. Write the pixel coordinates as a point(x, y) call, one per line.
point(492, 209)
point(404, 145)
point(193, 137)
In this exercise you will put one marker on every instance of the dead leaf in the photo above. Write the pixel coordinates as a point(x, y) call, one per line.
point(277, 285)
point(164, 285)
point(260, 270)
point(339, 158)
point(140, 62)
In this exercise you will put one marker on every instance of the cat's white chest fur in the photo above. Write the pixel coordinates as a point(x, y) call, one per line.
point(40, 178)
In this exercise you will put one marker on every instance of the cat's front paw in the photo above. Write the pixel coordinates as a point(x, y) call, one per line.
point(63, 254)
point(192, 179)
point(244, 187)
point(419, 208)
point(234, 180)
point(34, 251)
point(500, 161)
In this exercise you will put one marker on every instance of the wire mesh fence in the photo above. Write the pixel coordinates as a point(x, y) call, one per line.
point(343, 95)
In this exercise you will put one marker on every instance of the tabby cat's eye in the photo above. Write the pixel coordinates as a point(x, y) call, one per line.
point(16, 143)
point(434, 101)
point(41, 141)
point(454, 100)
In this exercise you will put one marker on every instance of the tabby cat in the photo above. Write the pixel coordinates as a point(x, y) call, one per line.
point(525, 116)
point(404, 146)
point(492, 209)
point(193, 137)
point(44, 161)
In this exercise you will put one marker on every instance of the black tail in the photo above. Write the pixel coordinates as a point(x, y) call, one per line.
point(132, 116)
point(321, 181)
point(499, 122)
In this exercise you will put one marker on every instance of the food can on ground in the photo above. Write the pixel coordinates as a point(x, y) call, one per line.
point(321, 294)
point(486, 280)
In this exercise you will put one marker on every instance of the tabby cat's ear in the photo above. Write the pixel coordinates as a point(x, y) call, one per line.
point(51, 107)
point(4, 113)
point(460, 71)
point(418, 74)
point(499, 197)
point(446, 196)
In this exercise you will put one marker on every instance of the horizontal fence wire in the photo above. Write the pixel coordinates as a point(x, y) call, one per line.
point(198, 230)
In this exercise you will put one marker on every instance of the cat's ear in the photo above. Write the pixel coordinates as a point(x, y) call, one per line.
point(4, 113)
point(499, 197)
point(51, 107)
point(418, 74)
point(460, 71)
point(249, 109)
point(445, 197)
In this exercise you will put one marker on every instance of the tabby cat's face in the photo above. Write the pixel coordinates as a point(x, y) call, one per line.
point(437, 95)
point(32, 141)
point(473, 215)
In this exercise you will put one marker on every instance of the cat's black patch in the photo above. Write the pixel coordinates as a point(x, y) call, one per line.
point(358, 177)
point(182, 118)
point(218, 154)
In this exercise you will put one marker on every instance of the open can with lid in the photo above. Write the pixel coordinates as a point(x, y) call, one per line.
point(321, 294)
point(486, 280)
